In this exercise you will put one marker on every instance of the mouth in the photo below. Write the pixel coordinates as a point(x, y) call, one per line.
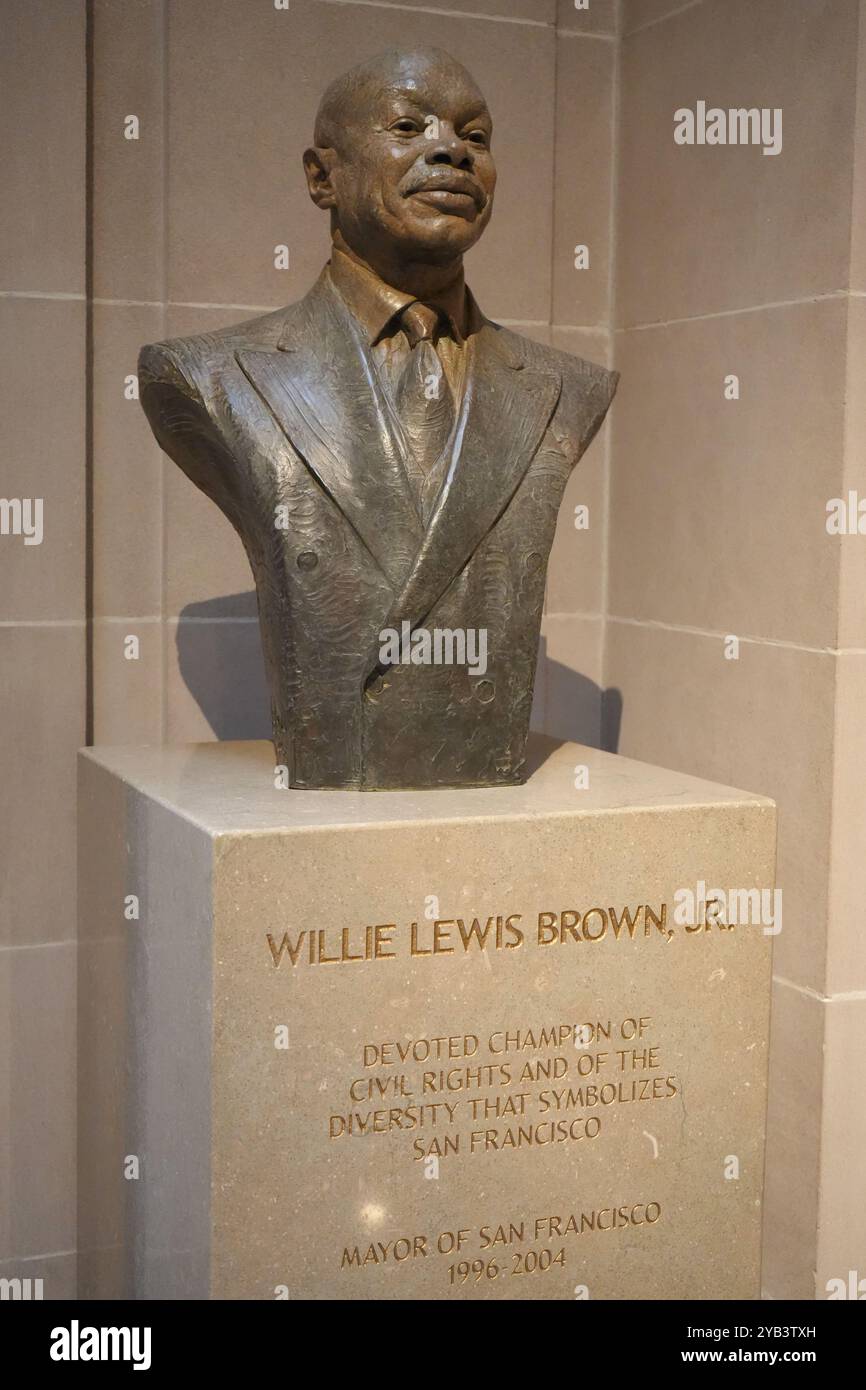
point(454, 195)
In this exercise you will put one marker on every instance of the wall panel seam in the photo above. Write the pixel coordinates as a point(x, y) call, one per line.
point(751, 638)
point(732, 313)
point(662, 18)
point(445, 14)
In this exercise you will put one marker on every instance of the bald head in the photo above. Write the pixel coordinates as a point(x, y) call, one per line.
point(419, 69)
point(402, 160)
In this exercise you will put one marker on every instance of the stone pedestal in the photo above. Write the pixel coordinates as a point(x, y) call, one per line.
point(478, 1044)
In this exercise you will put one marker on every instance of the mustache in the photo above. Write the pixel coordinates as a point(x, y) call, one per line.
point(449, 181)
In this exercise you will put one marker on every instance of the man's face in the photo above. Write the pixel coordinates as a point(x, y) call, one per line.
point(414, 176)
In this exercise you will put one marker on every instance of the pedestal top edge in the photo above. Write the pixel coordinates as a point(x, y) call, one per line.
point(229, 788)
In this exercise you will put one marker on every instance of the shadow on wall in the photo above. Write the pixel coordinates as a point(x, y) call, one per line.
point(577, 709)
point(221, 664)
point(220, 661)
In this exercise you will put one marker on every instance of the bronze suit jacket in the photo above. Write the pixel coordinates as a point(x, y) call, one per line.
point(284, 417)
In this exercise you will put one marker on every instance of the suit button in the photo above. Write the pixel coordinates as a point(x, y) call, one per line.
point(485, 691)
point(307, 560)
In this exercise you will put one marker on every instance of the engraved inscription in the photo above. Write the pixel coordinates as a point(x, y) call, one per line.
point(502, 1090)
point(315, 945)
point(496, 1250)
point(551, 1086)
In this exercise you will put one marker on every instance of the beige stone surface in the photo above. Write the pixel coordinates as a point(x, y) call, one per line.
point(144, 1042)
point(584, 178)
point(842, 1216)
point(705, 238)
point(576, 571)
point(724, 227)
point(127, 690)
point(766, 718)
point(858, 217)
point(814, 1217)
point(42, 76)
point(256, 1181)
point(128, 468)
point(43, 369)
point(531, 11)
point(718, 507)
point(637, 14)
point(42, 697)
point(793, 1143)
point(571, 652)
point(592, 343)
point(37, 1102)
point(58, 1274)
point(851, 547)
point(596, 16)
point(42, 366)
point(846, 945)
point(129, 49)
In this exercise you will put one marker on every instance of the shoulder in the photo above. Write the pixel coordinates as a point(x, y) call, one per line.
point(191, 364)
point(587, 387)
point(579, 374)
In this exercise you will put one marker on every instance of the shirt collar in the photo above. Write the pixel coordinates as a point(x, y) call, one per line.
point(374, 304)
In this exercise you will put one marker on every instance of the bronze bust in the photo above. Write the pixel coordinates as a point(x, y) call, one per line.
point(392, 460)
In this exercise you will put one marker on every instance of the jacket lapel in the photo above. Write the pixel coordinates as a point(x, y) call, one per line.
point(321, 388)
point(506, 409)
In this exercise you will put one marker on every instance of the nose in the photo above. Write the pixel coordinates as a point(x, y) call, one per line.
point(448, 148)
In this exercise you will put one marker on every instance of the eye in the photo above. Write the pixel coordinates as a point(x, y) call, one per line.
point(477, 137)
point(405, 126)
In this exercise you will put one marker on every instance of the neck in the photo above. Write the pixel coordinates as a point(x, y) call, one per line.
point(441, 284)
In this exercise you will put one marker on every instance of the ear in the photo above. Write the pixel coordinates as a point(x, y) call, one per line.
point(318, 164)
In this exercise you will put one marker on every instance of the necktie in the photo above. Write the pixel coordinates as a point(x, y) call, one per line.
point(425, 406)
